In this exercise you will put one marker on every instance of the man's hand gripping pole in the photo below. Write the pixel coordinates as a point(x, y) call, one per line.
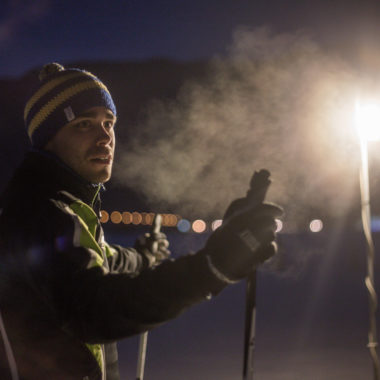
point(256, 194)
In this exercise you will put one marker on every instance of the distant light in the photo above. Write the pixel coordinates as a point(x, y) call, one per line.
point(169, 220)
point(136, 218)
point(199, 226)
point(183, 225)
point(144, 218)
point(116, 217)
point(216, 224)
point(279, 224)
point(104, 216)
point(316, 225)
point(173, 220)
point(166, 220)
point(368, 121)
point(127, 217)
point(149, 218)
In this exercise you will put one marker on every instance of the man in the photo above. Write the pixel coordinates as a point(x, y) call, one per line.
point(66, 296)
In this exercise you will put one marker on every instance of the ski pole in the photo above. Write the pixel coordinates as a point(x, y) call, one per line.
point(156, 226)
point(256, 194)
point(142, 356)
point(258, 188)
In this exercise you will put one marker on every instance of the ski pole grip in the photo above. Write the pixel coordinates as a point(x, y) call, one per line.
point(156, 224)
point(258, 188)
point(156, 228)
point(256, 193)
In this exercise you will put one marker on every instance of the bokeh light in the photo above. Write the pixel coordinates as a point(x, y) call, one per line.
point(116, 217)
point(199, 226)
point(280, 225)
point(147, 218)
point(127, 217)
point(216, 224)
point(316, 225)
point(173, 220)
point(136, 218)
point(104, 216)
point(184, 225)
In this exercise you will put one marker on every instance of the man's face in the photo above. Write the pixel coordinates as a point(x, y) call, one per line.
point(87, 144)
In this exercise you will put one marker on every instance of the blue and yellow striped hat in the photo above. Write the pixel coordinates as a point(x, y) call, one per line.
point(62, 95)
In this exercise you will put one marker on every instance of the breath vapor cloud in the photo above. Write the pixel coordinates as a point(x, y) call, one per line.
point(277, 102)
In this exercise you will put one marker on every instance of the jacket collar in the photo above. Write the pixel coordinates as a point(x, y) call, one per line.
point(55, 176)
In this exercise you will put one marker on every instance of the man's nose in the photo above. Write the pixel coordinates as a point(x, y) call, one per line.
point(104, 135)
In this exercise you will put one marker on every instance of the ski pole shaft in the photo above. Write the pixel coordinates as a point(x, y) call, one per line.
point(156, 226)
point(250, 326)
point(142, 356)
point(258, 188)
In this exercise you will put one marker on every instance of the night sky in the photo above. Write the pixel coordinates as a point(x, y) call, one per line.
point(35, 32)
point(312, 317)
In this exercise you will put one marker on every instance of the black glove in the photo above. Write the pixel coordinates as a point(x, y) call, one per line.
point(245, 241)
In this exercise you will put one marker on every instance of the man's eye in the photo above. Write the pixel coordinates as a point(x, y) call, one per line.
point(83, 124)
point(109, 124)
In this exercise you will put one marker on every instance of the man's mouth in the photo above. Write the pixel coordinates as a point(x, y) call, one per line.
point(103, 159)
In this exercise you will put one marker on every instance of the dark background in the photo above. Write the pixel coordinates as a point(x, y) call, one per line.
point(312, 304)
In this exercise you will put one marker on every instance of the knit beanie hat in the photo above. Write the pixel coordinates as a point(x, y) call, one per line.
point(63, 94)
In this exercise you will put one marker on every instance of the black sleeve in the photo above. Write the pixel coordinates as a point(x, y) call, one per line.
point(103, 306)
point(124, 259)
point(99, 305)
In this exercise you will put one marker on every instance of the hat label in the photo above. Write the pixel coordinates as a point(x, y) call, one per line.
point(69, 113)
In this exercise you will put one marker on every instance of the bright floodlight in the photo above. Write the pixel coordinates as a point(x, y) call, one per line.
point(368, 126)
point(368, 121)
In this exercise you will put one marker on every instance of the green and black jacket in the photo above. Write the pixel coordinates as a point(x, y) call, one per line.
point(66, 296)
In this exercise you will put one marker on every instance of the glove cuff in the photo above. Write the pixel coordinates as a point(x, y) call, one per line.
point(217, 273)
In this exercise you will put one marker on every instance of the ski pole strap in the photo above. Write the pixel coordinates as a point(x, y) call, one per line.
point(217, 273)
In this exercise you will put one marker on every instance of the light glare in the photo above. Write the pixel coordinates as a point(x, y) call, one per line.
point(368, 121)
